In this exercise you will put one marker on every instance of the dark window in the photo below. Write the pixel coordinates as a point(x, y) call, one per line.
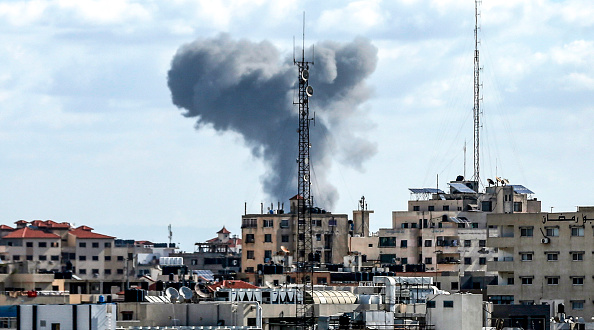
point(526, 280)
point(577, 256)
point(95, 258)
point(387, 241)
point(486, 206)
point(95, 271)
point(448, 304)
point(82, 244)
point(431, 304)
point(474, 225)
point(510, 281)
point(16, 258)
point(108, 272)
point(454, 286)
point(82, 258)
point(120, 258)
point(467, 260)
point(526, 231)
point(429, 260)
point(467, 243)
point(482, 243)
point(55, 257)
point(267, 254)
point(82, 271)
point(284, 238)
point(284, 223)
point(552, 231)
point(29, 244)
point(251, 322)
point(482, 261)
point(517, 206)
point(42, 258)
point(387, 258)
point(577, 231)
point(446, 207)
point(552, 280)
point(42, 244)
point(403, 261)
point(318, 237)
point(127, 315)
point(249, 238)
point(431, 208)
point(29, 257)
point(107, 244)
point(578, 280)
point(107, 258)
point(577, 304)
point(416, 208)
point(403, 243)
point(268, 223)
point(120, 271)
point(268, 238)
point(95, 245)
point(526, 256)
point(249, 223)
point(552, 256)
point(250, 254)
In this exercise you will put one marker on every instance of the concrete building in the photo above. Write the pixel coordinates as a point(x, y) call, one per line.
point(457, 311)
point(271, 234)
point(66, 317)
point(544, 258)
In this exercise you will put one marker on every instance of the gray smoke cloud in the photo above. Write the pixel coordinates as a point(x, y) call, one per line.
point(246, 87)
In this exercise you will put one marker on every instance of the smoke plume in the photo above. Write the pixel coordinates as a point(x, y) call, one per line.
point(247, 88)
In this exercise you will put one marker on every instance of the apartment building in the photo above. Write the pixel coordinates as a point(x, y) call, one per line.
point(271, 234)
point(544, 258)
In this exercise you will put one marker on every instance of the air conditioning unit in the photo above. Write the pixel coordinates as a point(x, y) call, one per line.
point(545, 240)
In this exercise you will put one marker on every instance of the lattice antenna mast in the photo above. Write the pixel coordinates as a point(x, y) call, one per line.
point(305, 262)
point(477, 98)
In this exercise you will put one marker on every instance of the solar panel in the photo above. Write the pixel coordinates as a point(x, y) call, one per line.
point(426, 191)
point(460, 187)
point(206, 274)
point(519, 189)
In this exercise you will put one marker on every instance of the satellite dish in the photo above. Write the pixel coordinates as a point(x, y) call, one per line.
point(172, 293)
point(506, 181)
point(186, 292)
point(498, 179)
point(285, 250)
point(304, 75)
point(306, 177)
point(490, 182)
point(269, 285)
point(309, 91)
point(200, 292)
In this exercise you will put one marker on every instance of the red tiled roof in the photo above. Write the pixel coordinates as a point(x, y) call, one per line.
point(30, 233)
point(223, 231)
point(85, 232)
point(20, 222)
point(144, 242)
point(5, 227)
point(56, 225)
point(232, 284)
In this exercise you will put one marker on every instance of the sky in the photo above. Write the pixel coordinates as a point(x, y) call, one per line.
point(89, 132)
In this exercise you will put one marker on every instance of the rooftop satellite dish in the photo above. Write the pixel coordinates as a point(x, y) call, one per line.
point(172, 293)
point(490, 182)
point(498, 179)
point(269, 285)
point(199, 292)
point(186, 292)
point(309, 91)
point(285, 250)
point(305, 75)
point(506, 181)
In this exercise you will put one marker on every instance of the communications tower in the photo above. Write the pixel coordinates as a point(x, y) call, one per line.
point(477, 99)
point(305, 255)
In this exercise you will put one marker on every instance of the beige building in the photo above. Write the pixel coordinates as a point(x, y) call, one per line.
point(272, 237)
point(544, 258)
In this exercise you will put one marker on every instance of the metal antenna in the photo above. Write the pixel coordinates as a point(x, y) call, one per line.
point(305, 253)
point(477, 98)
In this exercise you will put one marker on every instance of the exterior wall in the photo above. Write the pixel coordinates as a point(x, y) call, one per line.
point(87, 316)
point(456, 311)
point(43, 252)
point(544, 256)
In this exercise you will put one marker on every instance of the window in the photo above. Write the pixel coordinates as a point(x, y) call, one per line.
point(431, 304)
point(284, 223)
point(249, 238)
point(82, 244)
point(577, 231)
point(482, 243)
point(95, 244)
point(428, 243)
point(526, 302)
point(454, 286)
point(416, 208)
point(482, 261)
point(553, 280)
point(387, 258)
point(431, 208)
point(577, 304)
point(267, 254)
point(577, 280)
point(82, 271)
point(42, 244)
point(403, 261)
point(387, 242)
point(249, 223)
point(526, 231)
point(268, 223)
point(29, 257)
point(446, 207)
point(120, 271)
point(318, 237)
point(510, 281)
point(284, 238)
point(403, 243)
point(107, 244)
point(42, 258)
point(107, 258)
point(428, 260)
point(552, 231)
point(552, 256)
point(316, 223)
point(448, 304)
point(527, 280)
point(517, 206)
point(29, 244)
point(577, 256)
point(82, 258)
point(486, 206)
point(250, 254)
point(467, 243)
point(268, 238)
point(55, 257)
point(16, 258)
point(95, 258)
point(526, 256)
point(332, 222)
point(55, 244)
point(95, 271)
point(108, 272)
point(467, 261)
point(474, 225)
point(120, 258)
point(404, 225)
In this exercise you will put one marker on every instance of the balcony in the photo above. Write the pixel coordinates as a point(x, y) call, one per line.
point(501, 266)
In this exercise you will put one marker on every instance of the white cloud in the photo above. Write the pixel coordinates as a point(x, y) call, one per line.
point(356, 16)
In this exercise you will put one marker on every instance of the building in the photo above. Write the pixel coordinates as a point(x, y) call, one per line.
point(544, 258)
point(271, 238)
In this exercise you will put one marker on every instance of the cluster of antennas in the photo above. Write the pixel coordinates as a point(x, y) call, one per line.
point(304, 77)
point(501, 181)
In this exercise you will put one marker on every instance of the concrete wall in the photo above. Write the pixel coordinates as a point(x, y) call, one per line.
point(465, 314)
point(99, 317)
